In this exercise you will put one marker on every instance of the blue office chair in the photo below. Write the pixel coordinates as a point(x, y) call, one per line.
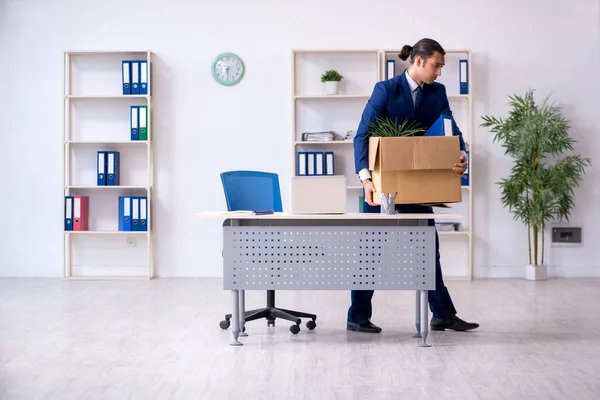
point(254, 190)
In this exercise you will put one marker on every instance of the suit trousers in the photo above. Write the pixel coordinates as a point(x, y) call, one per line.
point(440, 302)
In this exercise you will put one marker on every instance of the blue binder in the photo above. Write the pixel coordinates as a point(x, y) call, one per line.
point(68, 213)
point(464, 76)
point(143, 213)
point(301, 168)
point(144, 77)
point(465, 180)
point(135, 213)
point(135, 77)
point(390, 70)
point(124, 213)
point(112, 168)
point(101, 168)
point(134, 122)
point(328, 168)
point(319, 163)
point(441, 127)
point(126, 76)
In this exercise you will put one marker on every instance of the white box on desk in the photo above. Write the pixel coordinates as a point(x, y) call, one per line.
point(319, 194)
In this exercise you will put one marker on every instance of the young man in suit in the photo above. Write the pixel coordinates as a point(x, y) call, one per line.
point(415, 96)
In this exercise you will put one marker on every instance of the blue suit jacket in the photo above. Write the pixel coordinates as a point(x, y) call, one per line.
point(392, 98)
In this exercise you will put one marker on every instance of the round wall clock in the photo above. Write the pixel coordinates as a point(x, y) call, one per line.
point(228, 69)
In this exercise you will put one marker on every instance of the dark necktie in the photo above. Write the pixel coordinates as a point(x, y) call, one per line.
point(417, 100)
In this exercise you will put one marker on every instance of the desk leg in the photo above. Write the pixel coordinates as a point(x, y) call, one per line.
point(417, 313)
point(235, 318)
point(243, 313)
point(424, 318)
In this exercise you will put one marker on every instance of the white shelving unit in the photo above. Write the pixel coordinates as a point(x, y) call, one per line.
point(96, 117)
point(312, 110)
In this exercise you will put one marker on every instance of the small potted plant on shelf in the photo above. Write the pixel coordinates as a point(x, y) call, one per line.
point(540, 186)
point(331, 78)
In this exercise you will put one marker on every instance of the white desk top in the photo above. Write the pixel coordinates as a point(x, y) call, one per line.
point(285, 215)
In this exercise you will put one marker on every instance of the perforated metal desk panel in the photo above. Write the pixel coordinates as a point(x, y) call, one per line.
point(338, 251)
point(304, 254)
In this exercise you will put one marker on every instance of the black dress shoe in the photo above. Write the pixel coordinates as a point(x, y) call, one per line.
point(363, 326)
point(452, 322)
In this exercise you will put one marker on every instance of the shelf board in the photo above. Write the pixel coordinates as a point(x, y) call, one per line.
point(108, 142)
point(448, 51)
point(454, 233)
point(458, 96)
point(107, 187)
point(332, 96)
point(336, 51)
point(104, 52)
point(109, 96)
point(106, 232)
point(336, 142)
point(354, 187)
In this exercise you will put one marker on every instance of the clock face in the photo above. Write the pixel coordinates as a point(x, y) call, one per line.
point(228, 69)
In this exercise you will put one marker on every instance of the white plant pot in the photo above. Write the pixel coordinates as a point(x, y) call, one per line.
point(332, 87)
point(536, 273)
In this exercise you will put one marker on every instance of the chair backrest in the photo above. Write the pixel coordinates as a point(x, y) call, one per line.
point(251, 190)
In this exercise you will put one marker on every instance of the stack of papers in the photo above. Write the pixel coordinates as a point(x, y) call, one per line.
point(325, 136)
point(448, 226)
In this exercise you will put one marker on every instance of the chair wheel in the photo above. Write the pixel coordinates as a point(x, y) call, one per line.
point(294, 329)
point(224, 324)
point(311, 325)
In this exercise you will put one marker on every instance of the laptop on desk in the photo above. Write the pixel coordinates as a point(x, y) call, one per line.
point(320, 194)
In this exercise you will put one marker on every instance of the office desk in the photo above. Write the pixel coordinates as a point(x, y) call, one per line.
point(353, 251)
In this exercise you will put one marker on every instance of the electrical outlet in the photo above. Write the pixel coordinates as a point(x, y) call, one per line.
point(130, 242)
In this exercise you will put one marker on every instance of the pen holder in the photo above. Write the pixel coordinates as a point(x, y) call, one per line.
point(388, 204)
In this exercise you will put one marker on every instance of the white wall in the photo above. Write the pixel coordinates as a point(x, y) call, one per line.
point(551, 46)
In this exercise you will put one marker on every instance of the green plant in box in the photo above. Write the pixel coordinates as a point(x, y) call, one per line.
point(387, 127)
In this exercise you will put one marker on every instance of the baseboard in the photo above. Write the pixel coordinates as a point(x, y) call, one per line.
point(456, 278)
point(554, 271)
point(15, 271)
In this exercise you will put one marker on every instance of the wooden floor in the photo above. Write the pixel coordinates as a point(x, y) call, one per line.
point(161, 339)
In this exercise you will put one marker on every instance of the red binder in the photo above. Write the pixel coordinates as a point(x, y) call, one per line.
point(81, 207)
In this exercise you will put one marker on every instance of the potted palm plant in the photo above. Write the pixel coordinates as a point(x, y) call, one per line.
point(331, 78)
point(540, 186)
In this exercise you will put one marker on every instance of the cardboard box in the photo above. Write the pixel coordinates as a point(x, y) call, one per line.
point(418, 168)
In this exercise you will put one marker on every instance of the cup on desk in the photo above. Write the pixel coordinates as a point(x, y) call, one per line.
point(388, 203)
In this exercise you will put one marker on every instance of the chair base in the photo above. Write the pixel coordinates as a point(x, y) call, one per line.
point(271, 313)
